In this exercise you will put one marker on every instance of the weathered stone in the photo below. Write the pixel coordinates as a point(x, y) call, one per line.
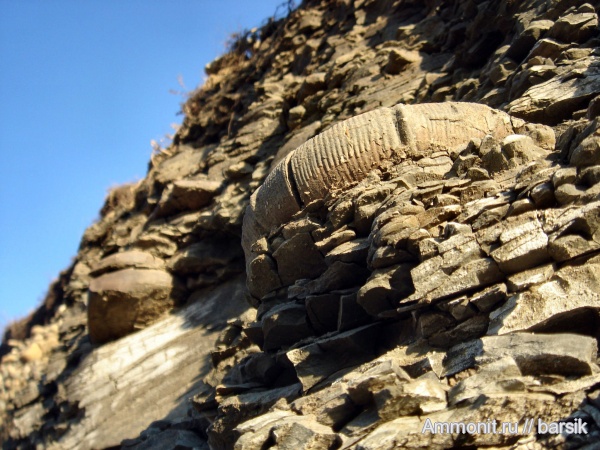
point(524, 280)
point(557, 98)
point(295, 116)
point(406, 430)
point(339, 275)
point(577, 27)
point(492, 157)
point(460, 308)
point(387, 256)
point(522, 149)
point(185, 162)
point(372, 377)
point(564, 176)
point(552, 303)
point(180, 439)
point(285, 325)
point(204, 255)
point(125, 260)
point(323, 311)
point(239, 170)
point(543, 195)
point(525, 41)
point(315, 362)
point(127, 300)
point(262, 276)
point(336, 239)
point(590, 175)
point(312, 84)
point(240, 410)
point(114, 413)
point(303, 225)
point(474, 274)
point(534, 354)
point(342, 212)
point(458, 250)
point(287, 430)
point(298, 258)
point(351, 314)
point(258, 369)
point(524, 246)
point(432, 322)
point(519, 207)
point(385, 288)
point(398, 59)
point(422, 396)
point(349, 252)
point(366, 205)
point(32, 353)
point(393, 174)
point(471, 328)
point(569, 193)
point(186, 195)
point(570, 246)
point(331, 406)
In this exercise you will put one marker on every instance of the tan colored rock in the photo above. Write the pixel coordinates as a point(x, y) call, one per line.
point(32, 353)
point(129, 259)
point(127, 300)
point(186, 195)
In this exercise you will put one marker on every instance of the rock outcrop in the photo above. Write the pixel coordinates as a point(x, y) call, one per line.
point(378, 227)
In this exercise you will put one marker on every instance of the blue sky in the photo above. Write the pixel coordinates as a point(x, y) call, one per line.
point(84, 87)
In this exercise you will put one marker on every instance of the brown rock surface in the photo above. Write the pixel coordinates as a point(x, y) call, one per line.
point(417, 248)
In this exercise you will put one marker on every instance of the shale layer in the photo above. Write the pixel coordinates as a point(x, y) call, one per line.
point(377, 216)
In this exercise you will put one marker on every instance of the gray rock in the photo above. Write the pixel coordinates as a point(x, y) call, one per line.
point(351, 314)
point(552, 303)
point(385, 288)
point(587, 153)
point(563, 176)
point(168, 439)
point(522, 149)
point(298, 258)
point(323, 311)
point(262, 277)
point(534, 354)
point(477, 273)
point(339, 275)
point(315, 362)
point(285, 325)
point(524, 42)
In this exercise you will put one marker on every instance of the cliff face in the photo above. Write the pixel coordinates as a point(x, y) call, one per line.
point(311, 265)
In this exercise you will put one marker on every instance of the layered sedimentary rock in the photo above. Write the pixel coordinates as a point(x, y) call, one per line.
point(376, 217)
